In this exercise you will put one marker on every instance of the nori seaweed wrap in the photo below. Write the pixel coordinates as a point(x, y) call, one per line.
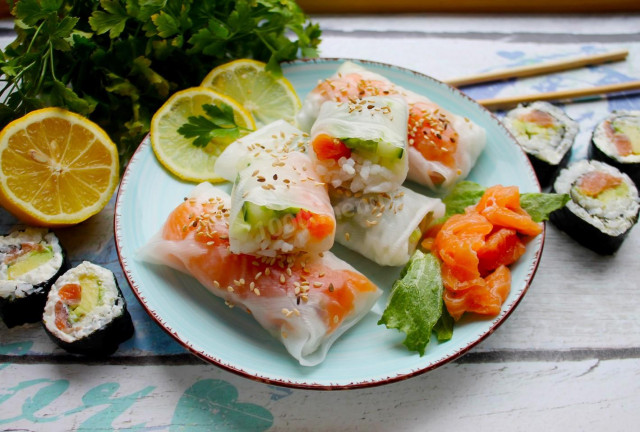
point(546, 134)
point(86, 312)
point(604, 205)
point(30, 261)
point(616, 141)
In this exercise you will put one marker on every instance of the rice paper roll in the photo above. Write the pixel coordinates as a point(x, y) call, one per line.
point(361, 144)
point(276, 137)
point(306, 301)
point(385, 228)
point(279, 205)
point(443, 147)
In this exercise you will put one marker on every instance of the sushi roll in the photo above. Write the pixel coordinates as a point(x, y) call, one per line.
point(30, 261)
point(616, 141)
point(306, 301)
point(362, 144)
point(384, 228)
point(86, 313)
point(604, 205)
point(546, 134)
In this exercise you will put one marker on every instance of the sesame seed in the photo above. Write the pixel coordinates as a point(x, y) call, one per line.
point(331, 287)
point(336, 319)
point(216, 284)
point(318, 284)
point(257, 276)
point(347, 236)
point(267, 271)
point(230, 288)
point(282, 279)
point(256, 291)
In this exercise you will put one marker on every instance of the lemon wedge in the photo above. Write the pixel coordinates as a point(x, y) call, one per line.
point(178, 153)
point(267, 98)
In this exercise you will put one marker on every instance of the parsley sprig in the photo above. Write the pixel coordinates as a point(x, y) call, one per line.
point(117, 61)
point(218, 122)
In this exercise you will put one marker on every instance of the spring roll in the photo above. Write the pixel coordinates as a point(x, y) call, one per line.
point(443, 147)
point(279, 205)
point(306, 301)
point(274, 138)
point(384, 228)
point(361, 144)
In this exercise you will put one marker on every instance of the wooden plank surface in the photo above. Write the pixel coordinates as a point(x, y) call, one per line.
point(566, 359)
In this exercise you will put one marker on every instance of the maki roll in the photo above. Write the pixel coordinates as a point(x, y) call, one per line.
point(362, 144)
point(86, 313)
point(387, 227)
point(604, 205)
point(30, 260)
point(616, 141)
point(546, 134)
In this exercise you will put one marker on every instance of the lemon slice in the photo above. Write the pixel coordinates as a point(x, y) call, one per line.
point(58, 168)
point(258, 91)
point(176, 152)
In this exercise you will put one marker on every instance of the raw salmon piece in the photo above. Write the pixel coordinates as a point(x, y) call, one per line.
point(502, 247)
point(431, 133)
point(620, 140)
point(595, 182)
point(501, 206)
point(538, 117)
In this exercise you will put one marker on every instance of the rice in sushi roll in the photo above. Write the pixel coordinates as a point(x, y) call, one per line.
point(546, 134)
point(30, 261)
point(604, 205)
point(616, 141)
point(86, 312)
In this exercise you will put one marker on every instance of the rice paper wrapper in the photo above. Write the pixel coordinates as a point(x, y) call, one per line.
point(382, 119)
point(279, 182)
point(276, 137)
point(306, 334)
point(384, 228)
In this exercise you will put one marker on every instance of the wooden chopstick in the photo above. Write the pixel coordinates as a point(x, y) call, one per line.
point(559, 96)
point(539, 69)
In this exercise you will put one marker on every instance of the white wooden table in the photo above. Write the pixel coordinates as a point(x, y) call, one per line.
point(567, 359)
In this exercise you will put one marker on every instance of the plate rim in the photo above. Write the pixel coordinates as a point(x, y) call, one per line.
point(317, 386)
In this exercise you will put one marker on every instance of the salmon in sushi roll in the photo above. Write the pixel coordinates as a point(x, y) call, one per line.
point(304, 300)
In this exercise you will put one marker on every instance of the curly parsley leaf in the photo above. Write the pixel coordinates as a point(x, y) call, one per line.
point(218, 122)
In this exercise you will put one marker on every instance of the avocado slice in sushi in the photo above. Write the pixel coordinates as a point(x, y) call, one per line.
point(86, 312)
point(30, 261)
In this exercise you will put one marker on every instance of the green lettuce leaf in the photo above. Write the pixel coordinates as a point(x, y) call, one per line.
point(541, 205)
point(415, 304)
point(444, 327)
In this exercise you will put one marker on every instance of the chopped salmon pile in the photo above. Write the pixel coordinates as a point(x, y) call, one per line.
point(476, 247)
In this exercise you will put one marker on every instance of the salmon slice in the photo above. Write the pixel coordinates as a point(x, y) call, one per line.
point(501, 206)
point(539, 118)
point(501, 248)
point(620, 140)
point(432, 134)
point(352, 86)
point(595, 182)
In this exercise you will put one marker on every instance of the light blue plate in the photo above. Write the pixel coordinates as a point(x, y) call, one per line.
point(366, 355)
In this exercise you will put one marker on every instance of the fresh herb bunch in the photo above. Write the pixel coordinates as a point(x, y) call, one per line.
point(218, 122)
point(117, 61)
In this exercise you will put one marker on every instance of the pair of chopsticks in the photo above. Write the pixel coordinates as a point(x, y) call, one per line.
point(546, 68)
